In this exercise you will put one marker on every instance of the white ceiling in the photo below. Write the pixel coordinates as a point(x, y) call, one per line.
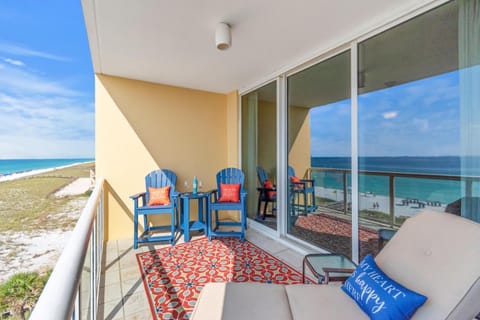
point(172, 41)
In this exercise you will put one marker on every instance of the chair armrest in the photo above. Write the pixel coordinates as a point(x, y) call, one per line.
point(266, 189)
point(141, 195)
point(213, 194)
point(308, 180)
point(299, 185)
point(138, 195)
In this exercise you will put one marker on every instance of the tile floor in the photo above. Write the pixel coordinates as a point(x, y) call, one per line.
point(122, 295)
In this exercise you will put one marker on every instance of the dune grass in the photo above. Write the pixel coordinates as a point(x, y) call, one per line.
point(29, 203)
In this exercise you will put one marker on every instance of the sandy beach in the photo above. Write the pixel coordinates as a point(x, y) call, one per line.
point(39, 250)
point(369, 201)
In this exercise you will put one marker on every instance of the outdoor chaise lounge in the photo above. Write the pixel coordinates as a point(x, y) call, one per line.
point(434, 254)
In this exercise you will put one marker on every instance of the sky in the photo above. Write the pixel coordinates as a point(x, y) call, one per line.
point(46, 81)
point(419, 118)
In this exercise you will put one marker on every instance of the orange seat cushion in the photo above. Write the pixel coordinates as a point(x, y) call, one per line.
point(267, 184)
point(229, 192)
point(159, 196)
point(296, 180)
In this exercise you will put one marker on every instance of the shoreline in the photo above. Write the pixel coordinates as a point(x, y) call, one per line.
point(24, 174)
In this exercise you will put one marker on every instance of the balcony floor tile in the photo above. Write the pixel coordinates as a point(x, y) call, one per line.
point(125, 296)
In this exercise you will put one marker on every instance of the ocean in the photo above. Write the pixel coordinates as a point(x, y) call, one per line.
point(21, 165)
point(445, 191)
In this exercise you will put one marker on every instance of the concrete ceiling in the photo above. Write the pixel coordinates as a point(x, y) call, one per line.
point(172, 42)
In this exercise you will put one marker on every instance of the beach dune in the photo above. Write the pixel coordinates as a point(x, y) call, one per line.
point(39, 250)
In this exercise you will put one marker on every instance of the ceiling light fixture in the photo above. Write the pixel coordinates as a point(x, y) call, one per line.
point(223, 37)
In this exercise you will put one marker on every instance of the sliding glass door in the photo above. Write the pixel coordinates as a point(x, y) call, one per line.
point(319, 154)
point(418, 122)
point(259, 149)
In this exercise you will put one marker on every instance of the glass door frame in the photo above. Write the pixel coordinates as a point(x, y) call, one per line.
point(278, 232)
point(282, 167)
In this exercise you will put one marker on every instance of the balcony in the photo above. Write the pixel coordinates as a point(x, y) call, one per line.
point(97, 280)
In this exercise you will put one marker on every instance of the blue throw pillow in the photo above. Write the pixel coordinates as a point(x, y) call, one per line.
point(379, 296)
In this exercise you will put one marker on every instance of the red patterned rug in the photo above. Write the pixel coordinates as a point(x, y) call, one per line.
point(174, 276)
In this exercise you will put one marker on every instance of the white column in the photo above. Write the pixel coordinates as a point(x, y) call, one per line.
point(354, 146)
point(282, 183)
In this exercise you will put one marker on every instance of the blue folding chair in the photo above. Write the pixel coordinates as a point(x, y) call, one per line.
point(303, 200)
point(155, 179)
point(228, 176)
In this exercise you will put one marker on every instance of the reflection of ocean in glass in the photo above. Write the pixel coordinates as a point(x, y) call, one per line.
point(445, 191)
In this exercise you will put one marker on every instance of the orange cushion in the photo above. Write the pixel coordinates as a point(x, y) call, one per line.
point(159, 196)
point(296, 180)
point(268, 185)
point(229, 192)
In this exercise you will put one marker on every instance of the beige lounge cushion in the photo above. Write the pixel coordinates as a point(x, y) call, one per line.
point(438, 255)
point(232, 301)
point(322, 302)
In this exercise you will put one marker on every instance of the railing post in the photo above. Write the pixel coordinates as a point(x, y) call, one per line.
point(392, 199)
point(468, 187)
point(345, 192)
point(93, 272)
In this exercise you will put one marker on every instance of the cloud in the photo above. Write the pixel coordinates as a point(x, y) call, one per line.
point(17, 50)
point(14, 62)
point(41, 117)
point(46, 126)
point(26, 82)
point(390, 115)
point(421, 118)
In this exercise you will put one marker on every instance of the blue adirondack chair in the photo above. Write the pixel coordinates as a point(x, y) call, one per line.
point(303, 194)
point(265, 194)
point(228, 176)
point(155, 179)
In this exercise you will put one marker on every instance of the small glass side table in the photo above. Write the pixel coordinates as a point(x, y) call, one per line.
point(328, 267)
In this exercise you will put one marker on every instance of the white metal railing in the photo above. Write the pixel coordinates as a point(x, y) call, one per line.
point(62, 296)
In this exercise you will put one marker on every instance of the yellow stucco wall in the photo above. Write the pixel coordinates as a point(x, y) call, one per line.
point(142, 126)
point(232, 129)
point(299, 140)
point(267, 138)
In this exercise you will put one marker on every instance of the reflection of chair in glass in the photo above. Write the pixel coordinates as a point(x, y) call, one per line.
point(266, 193)
point(229, 195)
point(303, 200)
point(160, 198)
